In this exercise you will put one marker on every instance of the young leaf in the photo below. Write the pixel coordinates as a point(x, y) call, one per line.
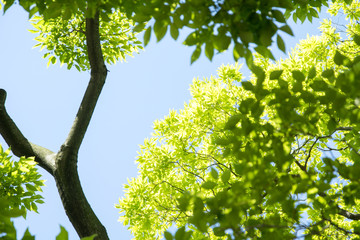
point(89, 238)
point(214, 173)
point(225, 176)
point(63, 235)
point(206, 185)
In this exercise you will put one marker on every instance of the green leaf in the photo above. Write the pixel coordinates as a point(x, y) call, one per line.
point(312, 73)
point(221, 43)
point(183, 202)
point(339, 59)
point(209, 50)
point(214, 173)
point(168, 235)
point(207, 185)
point(356, 39)
point(174, 31)
point(191, 39)
point(232, 121)
point(328, 73)
point(280, 43)
point(89, 238)
point(279, 16)
point(238, 51)
point(8, 4)
point(27, 235)
point(139, 27)
point(147, 35)
point(298, 75)
point(287, 29)
point(63, 235)
point(196, 54)
point(160, 29)
point(275, 74)
point(225, 176)
point(180, 233)
point(247, 85)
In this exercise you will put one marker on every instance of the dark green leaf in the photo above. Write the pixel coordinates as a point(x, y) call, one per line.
point(147, 35)
point(168, 235)
point(191, 39)
point(339, 58)
point(139, 27)
point(279, 16)
point(207, 185)
point(287, 29)
point(238, 51)
point(160, 29)
point(180, 234)
point(328, 73)
point(247, 86)
point(312, 73)
point(174, 31)
point(232, 121)
point(357, 39)
point(221, 43)
point(27, 235)
point(280, 43)
point(209, 50)
point(225, 176)
point(298, 75)
point(275, 74)
point(8, 4)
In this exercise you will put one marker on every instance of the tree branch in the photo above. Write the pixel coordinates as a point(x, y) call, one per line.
point(20, 146)
point(348, 215)
point(66, 175)
point(97, 81)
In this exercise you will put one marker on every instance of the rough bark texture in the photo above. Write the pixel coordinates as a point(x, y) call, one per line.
point(63, 164)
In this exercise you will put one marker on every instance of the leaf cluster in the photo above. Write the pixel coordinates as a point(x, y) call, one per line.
point(20, 182)
point(275, 157)
point(65, 40)
point(216, 24)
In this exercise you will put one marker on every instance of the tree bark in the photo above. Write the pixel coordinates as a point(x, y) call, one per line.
point(63, 165)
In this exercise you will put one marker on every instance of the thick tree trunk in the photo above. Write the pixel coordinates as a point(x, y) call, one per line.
point(63, 165)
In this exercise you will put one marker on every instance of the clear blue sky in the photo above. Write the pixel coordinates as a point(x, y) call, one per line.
point(43, 102)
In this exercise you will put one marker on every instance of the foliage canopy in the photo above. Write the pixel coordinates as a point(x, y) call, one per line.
point(275, 157)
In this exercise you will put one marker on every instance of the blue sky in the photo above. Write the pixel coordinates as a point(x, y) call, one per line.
point(43, 102)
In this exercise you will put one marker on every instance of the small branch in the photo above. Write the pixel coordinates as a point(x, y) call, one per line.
point(20, 146)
